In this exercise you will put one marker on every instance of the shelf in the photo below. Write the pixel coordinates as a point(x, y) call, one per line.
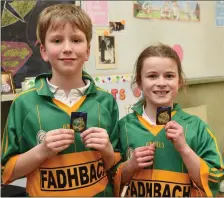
point(9, 97)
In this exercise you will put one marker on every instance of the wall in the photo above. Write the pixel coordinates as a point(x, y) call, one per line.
point(212, 95)
point(202, 42)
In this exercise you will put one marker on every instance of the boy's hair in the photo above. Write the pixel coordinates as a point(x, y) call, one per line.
point(59, 15)
point(159, 50)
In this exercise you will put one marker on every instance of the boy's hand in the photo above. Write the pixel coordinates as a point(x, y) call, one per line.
point(96, 138)
point(175, 133)
point(142, 157)
point(57, 140)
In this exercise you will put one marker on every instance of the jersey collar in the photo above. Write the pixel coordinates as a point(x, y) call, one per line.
point(138, 107)
point(43, 88)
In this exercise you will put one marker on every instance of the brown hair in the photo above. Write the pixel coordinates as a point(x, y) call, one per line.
point(159, 50)
point(61, 14)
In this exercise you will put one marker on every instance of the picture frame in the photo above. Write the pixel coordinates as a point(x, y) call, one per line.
point(7, 86)
point(106, 52)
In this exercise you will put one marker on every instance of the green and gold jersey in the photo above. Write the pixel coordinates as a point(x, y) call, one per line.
point(168, 176)
point(76, 171)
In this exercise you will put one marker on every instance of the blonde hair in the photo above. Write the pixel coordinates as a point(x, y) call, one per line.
point(159, 50)
point(59, 15)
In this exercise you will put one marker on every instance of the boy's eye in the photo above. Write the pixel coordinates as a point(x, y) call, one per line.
point(57, 41)
point(76, 41)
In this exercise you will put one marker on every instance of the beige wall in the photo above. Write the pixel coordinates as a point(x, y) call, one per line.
point(212, 95)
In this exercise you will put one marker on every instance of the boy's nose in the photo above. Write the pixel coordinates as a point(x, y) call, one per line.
point(67, 47)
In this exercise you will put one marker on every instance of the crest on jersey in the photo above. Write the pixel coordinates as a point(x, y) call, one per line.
point(129, 152)
point(40, 136)
point(78, 124)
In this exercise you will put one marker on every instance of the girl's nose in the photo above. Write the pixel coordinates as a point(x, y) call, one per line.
point(161, 81)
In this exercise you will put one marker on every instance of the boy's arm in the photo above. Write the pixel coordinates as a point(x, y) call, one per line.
point(15, 163)
point(27, 162)
point(12, 138)
point(55, 141)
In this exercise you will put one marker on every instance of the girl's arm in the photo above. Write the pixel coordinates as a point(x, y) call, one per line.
point(175, 133)
point(192, 163)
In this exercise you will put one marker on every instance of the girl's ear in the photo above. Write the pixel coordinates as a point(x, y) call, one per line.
point(139, 85)
point(43, 53)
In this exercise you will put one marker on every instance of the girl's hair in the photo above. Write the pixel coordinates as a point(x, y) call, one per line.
point(159, 50)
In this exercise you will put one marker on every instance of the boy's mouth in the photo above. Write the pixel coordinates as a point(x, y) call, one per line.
point(67, 59)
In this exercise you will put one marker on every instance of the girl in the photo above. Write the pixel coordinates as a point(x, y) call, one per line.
point(180, 158)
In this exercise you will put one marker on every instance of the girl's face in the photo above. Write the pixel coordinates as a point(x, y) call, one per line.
point(159, 81)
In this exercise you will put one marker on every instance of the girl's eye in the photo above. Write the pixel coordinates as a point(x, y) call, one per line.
point(169, 76)
point(152, 76)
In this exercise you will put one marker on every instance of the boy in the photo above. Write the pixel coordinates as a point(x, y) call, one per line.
point(38, 141)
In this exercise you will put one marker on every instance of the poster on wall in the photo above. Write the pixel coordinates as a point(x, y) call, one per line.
point(106, 52)
point(167, 10)
point(220, 13)
point(117, 27)
point(98, 12)
point(120, 87)
point(20, 51)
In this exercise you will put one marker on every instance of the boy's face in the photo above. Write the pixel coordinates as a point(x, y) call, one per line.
point(66, 49)
point(159, 81)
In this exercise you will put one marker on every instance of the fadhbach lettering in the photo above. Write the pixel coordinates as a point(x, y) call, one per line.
point(71, 177)
point(157, 189)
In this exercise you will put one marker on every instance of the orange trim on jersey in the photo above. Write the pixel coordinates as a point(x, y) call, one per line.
point(214, 169)
point(8, 169)
point(74, 174)
point(68, 109)
point(216, 146)
point(204, 171)
point(162, 175)
point(216, 175)
point(212, 180)
point(154, 129)
point(117, 181)
point(117, 157)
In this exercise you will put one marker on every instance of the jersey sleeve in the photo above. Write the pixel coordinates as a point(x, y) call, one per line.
point(114, 131)
point(211, 162)
point(10, 142)
point(117, 170)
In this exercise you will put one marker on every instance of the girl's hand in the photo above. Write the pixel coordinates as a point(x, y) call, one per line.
point(175, 133)
point(56, 141)
point(142, 157)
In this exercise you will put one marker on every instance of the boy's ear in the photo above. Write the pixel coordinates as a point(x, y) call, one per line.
point(87, 53)
point(43, 53)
